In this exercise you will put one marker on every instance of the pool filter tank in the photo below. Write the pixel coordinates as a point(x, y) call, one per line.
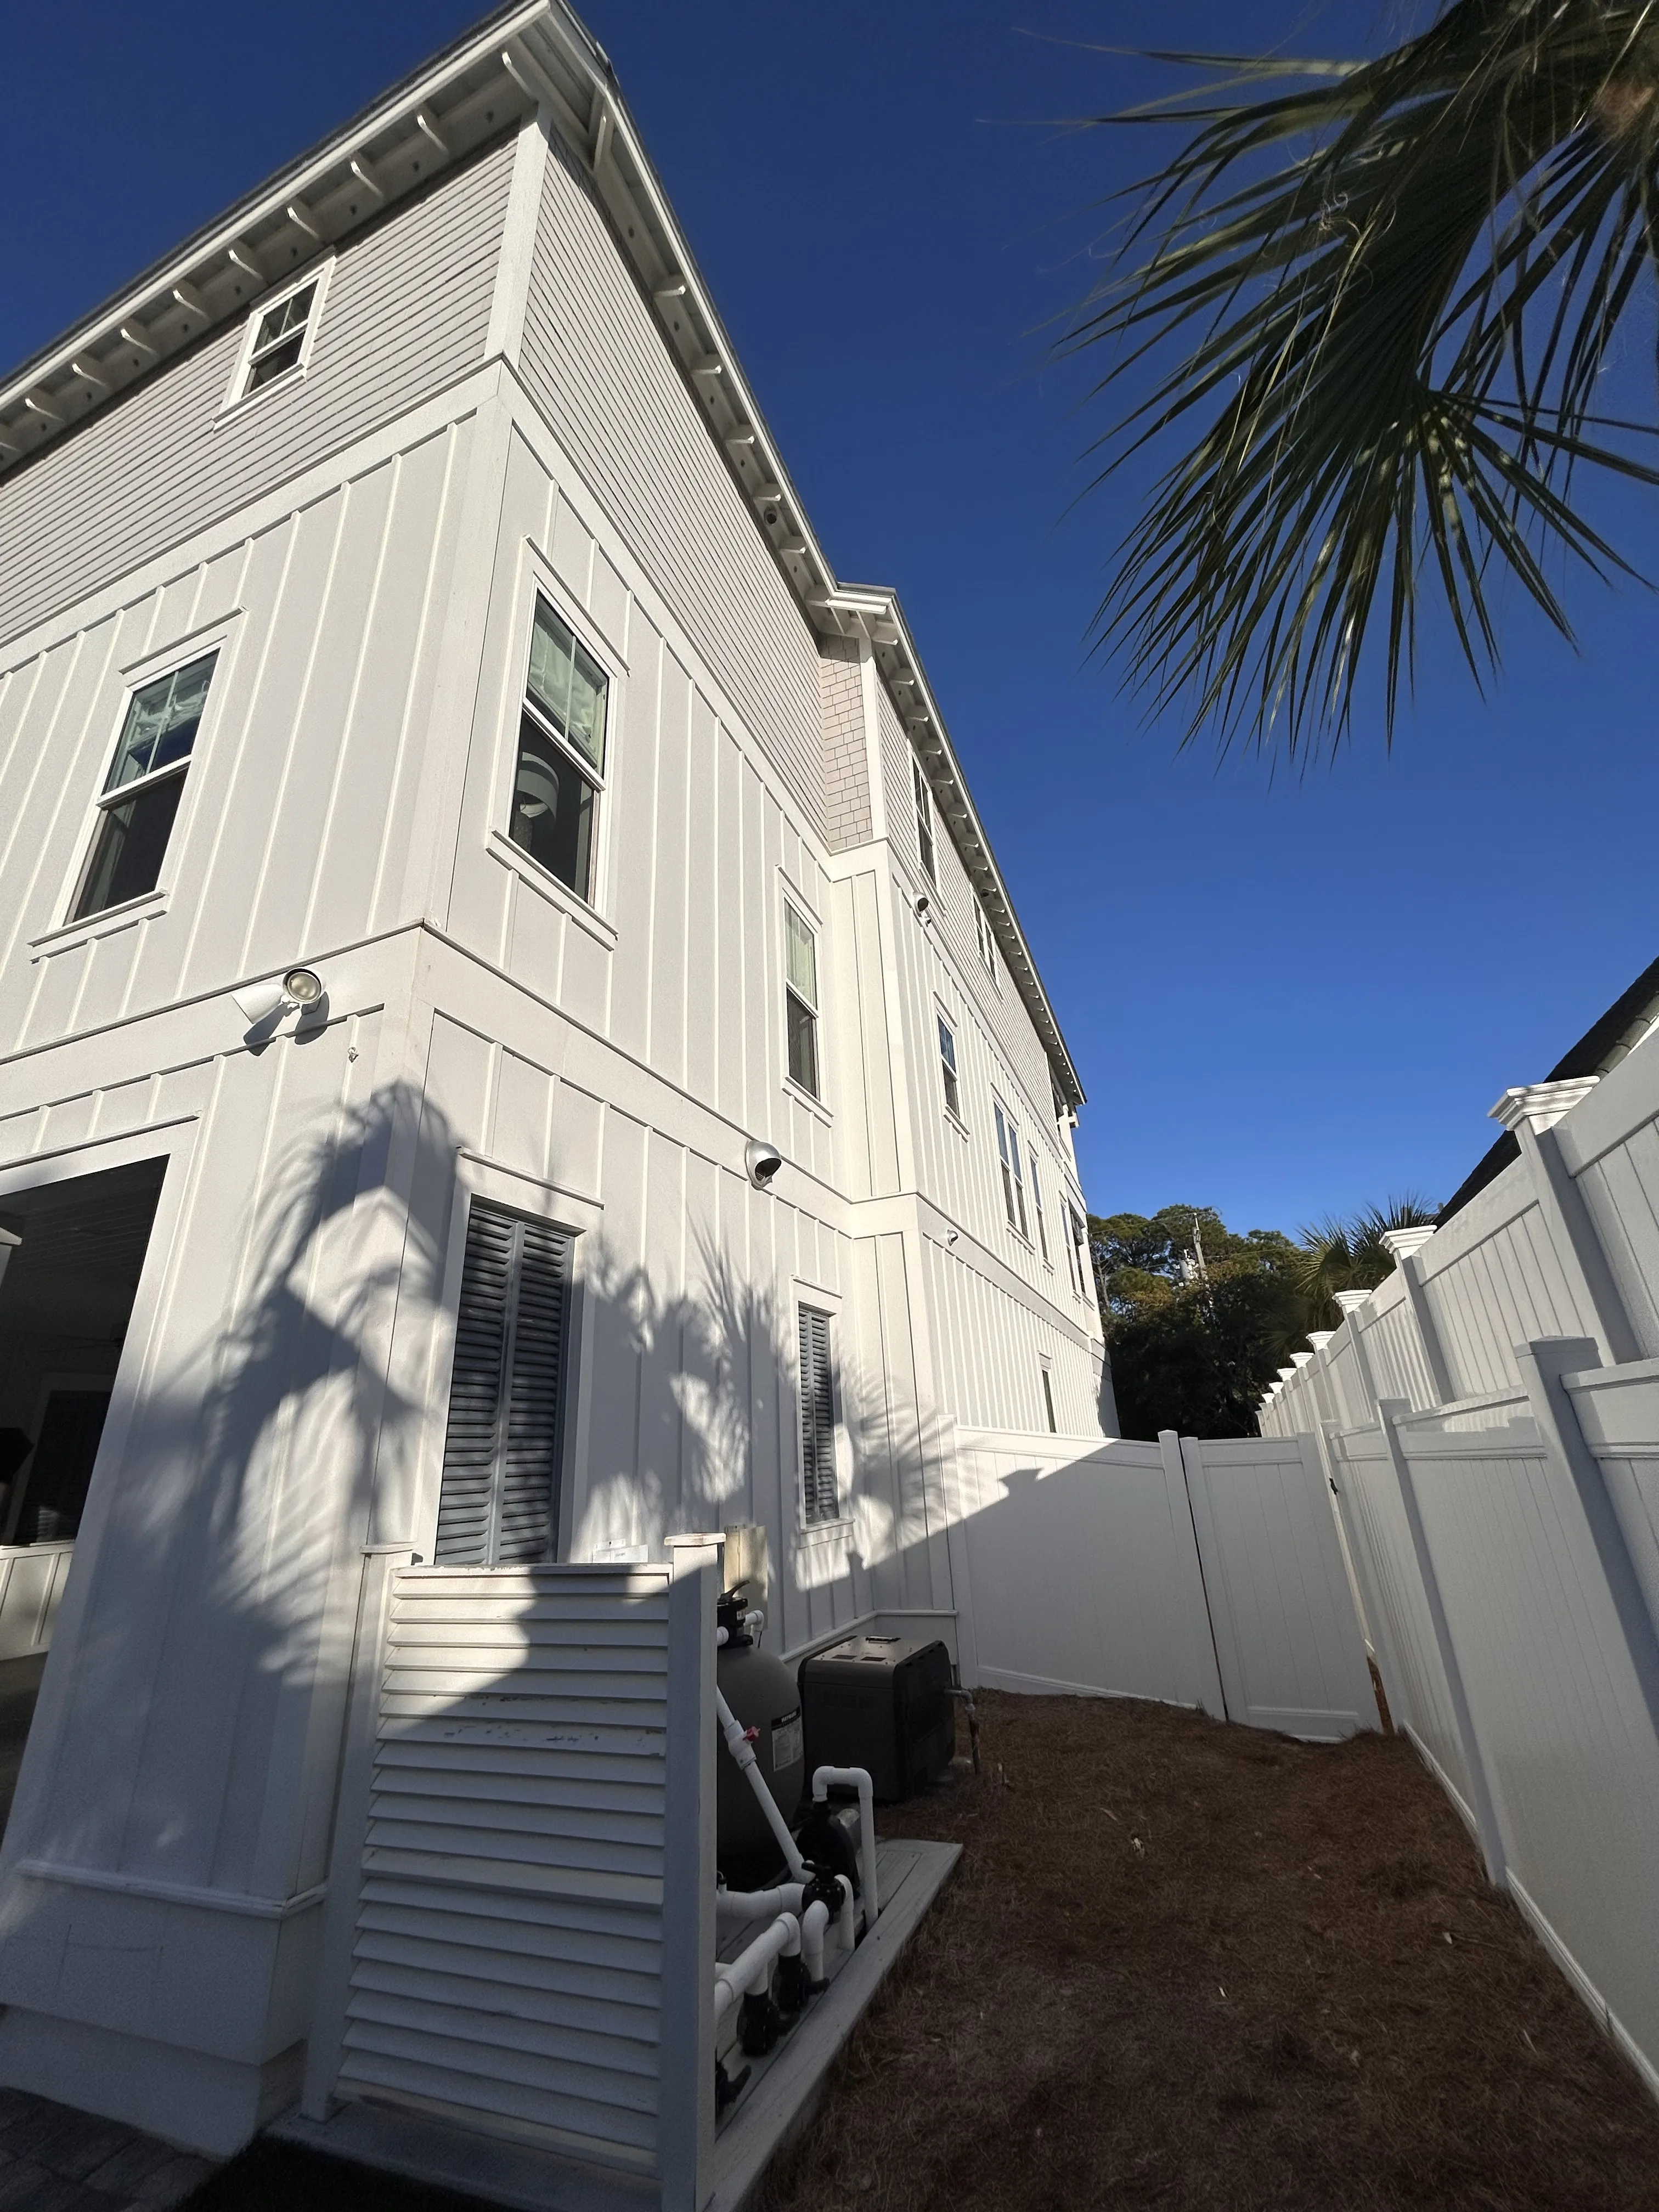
point(764, 1699)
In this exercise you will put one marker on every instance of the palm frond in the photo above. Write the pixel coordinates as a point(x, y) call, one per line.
point(1391, 292)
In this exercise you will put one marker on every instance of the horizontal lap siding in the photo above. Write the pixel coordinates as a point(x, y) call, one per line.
point(600, 370)
point(407, 311)
point(508, 1958)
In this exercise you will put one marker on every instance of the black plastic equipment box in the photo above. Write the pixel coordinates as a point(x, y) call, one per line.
point(885, 1704)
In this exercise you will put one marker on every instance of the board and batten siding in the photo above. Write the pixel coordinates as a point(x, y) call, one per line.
point(295, 831)
point(680, 963)
point(685, 1304)
point(600, 370)
point(407, 311)
point(507, 1965)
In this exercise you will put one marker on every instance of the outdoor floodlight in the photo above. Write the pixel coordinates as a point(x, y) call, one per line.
point(264, 1003)
point(304, 986)
point(762, 1161)
point(923, 905)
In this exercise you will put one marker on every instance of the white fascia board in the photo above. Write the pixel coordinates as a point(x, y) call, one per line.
point(829, 605)
point(874, 604)
point(315, 176)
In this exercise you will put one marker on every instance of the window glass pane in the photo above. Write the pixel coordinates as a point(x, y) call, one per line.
point(800, 956)
point(802, 1025)
point(128, 848)
point(553, 809)
point(947, 1053)
point(924, 814)
point(162, 722)
point(1048, 1398)
point(288, 315)
point(1002, 1137)
point(1036, 1203)
point(268, 366)
point(568, 684)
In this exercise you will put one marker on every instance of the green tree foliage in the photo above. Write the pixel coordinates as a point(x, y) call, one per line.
point(1336, 1255)
point(1371, 303)
point(1199, 1319)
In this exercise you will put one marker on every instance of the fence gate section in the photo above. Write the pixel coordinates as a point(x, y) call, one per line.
point(1287, 1638)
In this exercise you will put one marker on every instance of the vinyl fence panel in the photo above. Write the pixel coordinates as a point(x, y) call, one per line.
point(1560, 1707)
point(1407, 1657)
point(1287, 1636)
point(1081, 1570)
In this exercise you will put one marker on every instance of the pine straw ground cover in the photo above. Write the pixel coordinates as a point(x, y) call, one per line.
point(1186, 1965)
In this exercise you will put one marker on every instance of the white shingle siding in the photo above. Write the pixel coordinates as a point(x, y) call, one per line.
point(845, 751)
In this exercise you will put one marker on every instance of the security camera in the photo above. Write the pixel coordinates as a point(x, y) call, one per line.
point(762, 1161)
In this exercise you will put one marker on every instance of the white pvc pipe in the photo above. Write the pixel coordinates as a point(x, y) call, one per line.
point(814, 1922)
point(750, 1972)
point(849, 1924)
point(738, 1743)
point(851, 1777)
point(758, 1904)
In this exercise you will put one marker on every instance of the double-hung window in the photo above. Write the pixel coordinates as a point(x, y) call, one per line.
point(142, 791)
point(561, 753)
point(985, 938)
point(1037, 1200)
point(280, 336)
point(924, 798)
point(820, 1493)
point(1013, 1180)
point(801, 998)
point(1048, 1397)
point(947, 1068)
point(1084, 1263)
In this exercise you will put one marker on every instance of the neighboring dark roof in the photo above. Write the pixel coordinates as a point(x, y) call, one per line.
point(1600, 1048)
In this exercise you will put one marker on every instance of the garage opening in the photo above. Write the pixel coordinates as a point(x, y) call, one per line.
point(71, 1254)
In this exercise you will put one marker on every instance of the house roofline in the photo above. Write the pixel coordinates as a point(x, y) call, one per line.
point(526, 54)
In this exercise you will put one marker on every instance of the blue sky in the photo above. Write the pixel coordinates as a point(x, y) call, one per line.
point(1287, 994)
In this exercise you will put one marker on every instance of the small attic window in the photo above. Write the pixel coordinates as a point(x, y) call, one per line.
point(278, 340)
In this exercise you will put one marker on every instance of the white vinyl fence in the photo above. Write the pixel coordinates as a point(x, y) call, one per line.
point(1489, 1420)
point(1197, 1573)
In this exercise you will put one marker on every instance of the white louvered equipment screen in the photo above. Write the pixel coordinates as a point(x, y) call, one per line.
point(506, 1967)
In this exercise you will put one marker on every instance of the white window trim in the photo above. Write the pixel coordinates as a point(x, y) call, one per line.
point(217, 638)
point(537, 577)
point(1012, 1127)
point(985, 941)
point(235, 397)
point(823, 1301)
point(790, 894)
point(922, 809)
point(958, 1120)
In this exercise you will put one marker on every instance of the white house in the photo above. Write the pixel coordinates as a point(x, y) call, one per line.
point(401, 595)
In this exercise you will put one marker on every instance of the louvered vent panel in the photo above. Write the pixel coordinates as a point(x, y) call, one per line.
point(508, 1958)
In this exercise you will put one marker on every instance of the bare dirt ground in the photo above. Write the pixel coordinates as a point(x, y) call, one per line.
point(1190, 1966)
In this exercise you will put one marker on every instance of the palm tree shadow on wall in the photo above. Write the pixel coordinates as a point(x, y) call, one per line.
point(215, 1586)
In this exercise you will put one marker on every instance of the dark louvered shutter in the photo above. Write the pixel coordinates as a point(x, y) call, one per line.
point(818, 1418)
point(530, 1448)
point(501, 1450)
